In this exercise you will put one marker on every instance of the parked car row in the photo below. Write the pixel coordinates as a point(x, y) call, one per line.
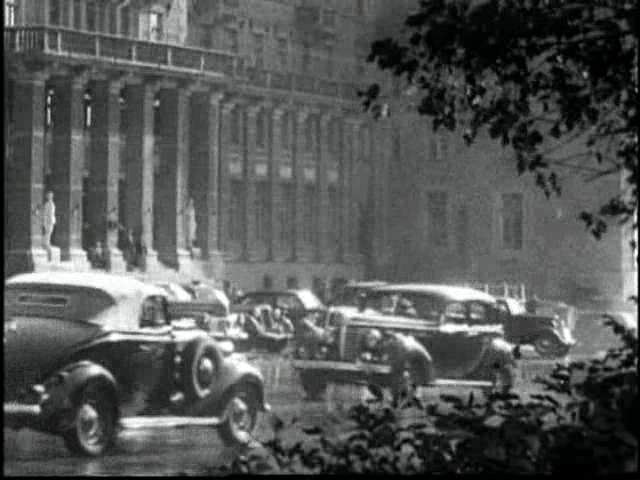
point(89, 353)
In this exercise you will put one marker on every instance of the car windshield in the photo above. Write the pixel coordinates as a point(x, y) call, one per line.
point(176, 292)
point(310, 301)
point(408, 304)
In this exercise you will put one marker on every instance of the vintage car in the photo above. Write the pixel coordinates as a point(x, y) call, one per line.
point(255, 328)
point(411, 334)
point(548, 330)
point(86, 354)
point(296, 304)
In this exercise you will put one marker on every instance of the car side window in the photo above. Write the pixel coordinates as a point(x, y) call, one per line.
point(455, 312)
point(288, 302)
point(478, 313)
point(153, 314)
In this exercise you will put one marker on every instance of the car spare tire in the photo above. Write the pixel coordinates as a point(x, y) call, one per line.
point(199, 368)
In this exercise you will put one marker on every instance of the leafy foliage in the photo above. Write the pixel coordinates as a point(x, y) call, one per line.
point(583, 421)
point(540, 75)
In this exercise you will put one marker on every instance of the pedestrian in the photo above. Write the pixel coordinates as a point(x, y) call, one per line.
point(98, 259)
point(127, 246)
point(48, 222)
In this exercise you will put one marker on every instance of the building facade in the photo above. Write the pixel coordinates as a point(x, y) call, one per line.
point(130, 110)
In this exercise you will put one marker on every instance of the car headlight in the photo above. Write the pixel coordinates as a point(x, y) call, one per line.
point(322, 352)
point(301, 353)
point(372, 339)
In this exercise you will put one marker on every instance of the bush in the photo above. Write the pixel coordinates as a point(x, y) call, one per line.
point(583, 421)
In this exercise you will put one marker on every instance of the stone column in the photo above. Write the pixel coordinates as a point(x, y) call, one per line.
point(139, 172)
point(102, 207)
point(298, 175)
point(250, 245)
point(226, 110)
point(67, 161)
point(322, 245)
point(169, 195)
point(204, 170)
point(351, 233)
point(23, 182)
point(275, 158)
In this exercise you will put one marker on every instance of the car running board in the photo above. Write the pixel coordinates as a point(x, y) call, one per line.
point(461, 383)
point(144, 422)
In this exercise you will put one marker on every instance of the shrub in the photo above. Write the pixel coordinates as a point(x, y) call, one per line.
point(584, 420)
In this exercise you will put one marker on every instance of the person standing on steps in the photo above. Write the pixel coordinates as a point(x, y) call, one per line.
point(48, 222)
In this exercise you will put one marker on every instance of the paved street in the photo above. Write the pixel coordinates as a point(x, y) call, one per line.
point(188, 450)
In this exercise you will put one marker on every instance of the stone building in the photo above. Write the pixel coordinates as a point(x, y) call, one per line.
point(127, 109)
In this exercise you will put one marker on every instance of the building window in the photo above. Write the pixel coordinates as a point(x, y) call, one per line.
point(155, 27)
point(439, 147)
point(365, 145)
point(113, 19)
point(90, 10)
point(55, 12)
point(267, 282)
point(334, 136)
point(236, 126)
point(306, 59)
point(100, 18)
point(236, 218)
point(10, 13)
point(361, 7)
point(261, 211)
point(258, 50)
point(231, 39)
point(438, 224)
point(48, 108)
point(309, 134)
point(283, 53)
point(329, 18)
point(334, 216)
point(261, 129)
point(512, 221)
point(292, 282)
point(287, 220)
point(286, 131)
point(329, 72)
point(124, 20)
point(309, 217)
point(88, 109)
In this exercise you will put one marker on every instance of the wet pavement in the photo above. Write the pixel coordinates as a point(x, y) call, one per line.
point(170, 451)
point(181, 451)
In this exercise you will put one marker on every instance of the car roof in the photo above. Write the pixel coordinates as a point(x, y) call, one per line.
point(459, 294)
point(116, 286)
point(366, 284)
point(304, 294)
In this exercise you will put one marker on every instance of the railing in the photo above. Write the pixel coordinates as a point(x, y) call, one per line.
point(128, 51)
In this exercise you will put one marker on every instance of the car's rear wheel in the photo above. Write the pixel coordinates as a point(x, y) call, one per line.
point(548, 345)
point(313, 386)
point(199, 368)
point(240, 410)
point(94, 422)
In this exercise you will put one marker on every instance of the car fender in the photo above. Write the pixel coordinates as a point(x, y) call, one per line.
point(236, 372)
point(65, 385)
point(552, 332)
point(406, 349)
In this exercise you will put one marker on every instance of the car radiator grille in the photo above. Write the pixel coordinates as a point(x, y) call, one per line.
point(351, 342)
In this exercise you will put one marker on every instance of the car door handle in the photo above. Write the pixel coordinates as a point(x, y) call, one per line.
point(144, 348)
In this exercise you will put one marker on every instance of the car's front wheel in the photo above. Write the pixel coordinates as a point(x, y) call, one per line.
point(240, 410)
point(548, 345)
point(93, 429)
